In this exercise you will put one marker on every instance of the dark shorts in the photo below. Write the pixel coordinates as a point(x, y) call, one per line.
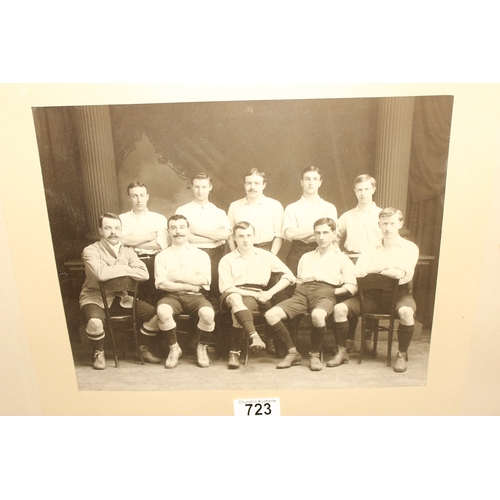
point(252, 304)
point(185, 303)
point(145, 311)
point(381, 303)
point(309, 296)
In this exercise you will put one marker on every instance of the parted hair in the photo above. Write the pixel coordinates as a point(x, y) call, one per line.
point(243, 225)
point(199, 176)
point(108, 215)
point(177, 217)
point(326, 220)
point(255, 171)
point(310, 169)
point(389, 212)
point(365, 178)
point(136, 184)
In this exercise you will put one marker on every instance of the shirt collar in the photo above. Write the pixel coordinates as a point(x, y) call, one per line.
point(369, 208)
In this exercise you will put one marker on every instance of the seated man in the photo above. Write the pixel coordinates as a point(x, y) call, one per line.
point(324, 276)
point(243, 273)
point(357, 229)
point(395, 257)
point(106, 259)
point(183, 273)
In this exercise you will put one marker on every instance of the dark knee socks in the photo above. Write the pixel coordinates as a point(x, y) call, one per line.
point(171, 336)
point(236, 338)
point(202, 336)
point(341, 331)
point(97, 345)
point(283, 334)
point(245, 319)
point(317, 337)
point(405, 333)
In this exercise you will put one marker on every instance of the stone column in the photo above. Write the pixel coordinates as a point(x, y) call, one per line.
point(97, 156)
point(392, 158)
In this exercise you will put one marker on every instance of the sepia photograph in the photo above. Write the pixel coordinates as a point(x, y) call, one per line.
point(288, 244)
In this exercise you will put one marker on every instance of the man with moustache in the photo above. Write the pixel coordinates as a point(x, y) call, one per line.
point(146, 232)
point(183, 273)
point(209, 226)
point(106, 259)
point(265, 214)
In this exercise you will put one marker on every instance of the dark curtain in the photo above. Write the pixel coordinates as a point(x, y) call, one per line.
point(226, 139)
point(429, 156)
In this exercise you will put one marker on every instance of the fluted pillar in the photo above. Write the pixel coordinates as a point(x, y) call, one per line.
point(392, 159)
point(97, 157)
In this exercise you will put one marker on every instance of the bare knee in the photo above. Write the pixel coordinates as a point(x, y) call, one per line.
point(235, 302)
point(164, 312)
point(274, 315)
point(94, 325)
point(206, 314)
point(340, 312)
point(318, 317)
point(406, 315)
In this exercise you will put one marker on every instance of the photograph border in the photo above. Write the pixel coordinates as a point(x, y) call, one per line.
point(471, 168)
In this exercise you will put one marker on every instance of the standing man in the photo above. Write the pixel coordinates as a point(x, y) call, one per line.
point(209, 226)
point(357, 229)
point(106, 259)
point(243, 275)
point(394, 257)
point(183, 273)
point(325, 277)
point(145, 231)
point(300, 216)
point(265, 214)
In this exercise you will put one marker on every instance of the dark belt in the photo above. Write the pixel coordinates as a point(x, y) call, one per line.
point(265, 243)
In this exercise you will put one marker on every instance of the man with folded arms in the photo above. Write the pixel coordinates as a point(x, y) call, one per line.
point(209, 226)
point(243, 275)
point(145, 231)
point(300, 216)
point(325, 276)
point(394, 257)
point(183, 273)
point(265, 214)
point(106, 259)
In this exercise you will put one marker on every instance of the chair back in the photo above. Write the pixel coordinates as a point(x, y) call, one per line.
point(121, 284)
point(377, 283)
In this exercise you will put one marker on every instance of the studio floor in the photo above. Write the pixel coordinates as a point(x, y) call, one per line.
point(259, 373)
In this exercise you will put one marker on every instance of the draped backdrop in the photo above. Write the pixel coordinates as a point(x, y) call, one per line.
point(162, 145)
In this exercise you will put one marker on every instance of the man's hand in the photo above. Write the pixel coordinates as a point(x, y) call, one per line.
point(264, 296)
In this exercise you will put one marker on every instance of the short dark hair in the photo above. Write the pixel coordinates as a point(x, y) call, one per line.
point(364, 178)
point(326, 220)
point(243, 225)
point(200, 176)
point(108, 215)
point(389, 212)
point(136, 184)
point(310, 169)
point(255, 171)
point(177, 217)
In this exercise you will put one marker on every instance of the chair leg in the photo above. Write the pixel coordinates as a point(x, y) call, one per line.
point(247, 349)
point(115, 350)
point(375, 337)
point(389, 341)
point(362, 346)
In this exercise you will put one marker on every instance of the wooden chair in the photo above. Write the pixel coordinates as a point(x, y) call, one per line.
point(377, 283)
point(261, 324)
point(127, 322)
